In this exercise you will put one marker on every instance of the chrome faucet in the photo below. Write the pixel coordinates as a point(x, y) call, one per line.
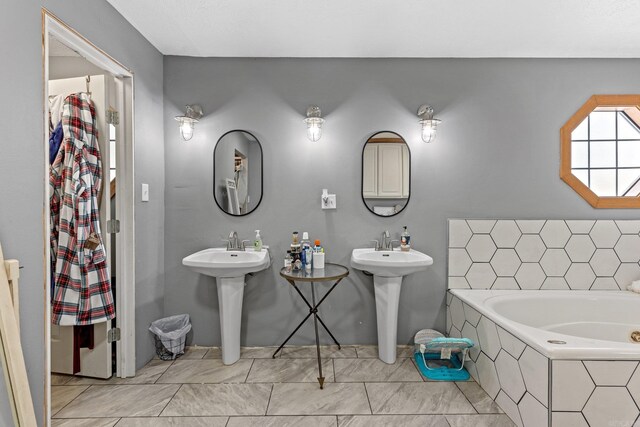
point(232, 242)
point(385, 244)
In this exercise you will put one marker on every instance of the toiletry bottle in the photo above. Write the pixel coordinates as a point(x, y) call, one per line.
point(306, 250)
point(287, 262)
point(317, 248)
point(405, 240)
point(257, 244)
point(295, 251)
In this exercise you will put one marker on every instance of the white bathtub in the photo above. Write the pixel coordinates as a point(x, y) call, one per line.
point(584, 325)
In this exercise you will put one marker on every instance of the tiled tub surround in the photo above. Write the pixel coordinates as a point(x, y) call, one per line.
point(543, 254)
point(538, 383)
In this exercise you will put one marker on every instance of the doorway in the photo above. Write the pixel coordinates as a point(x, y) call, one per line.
point(75, 70)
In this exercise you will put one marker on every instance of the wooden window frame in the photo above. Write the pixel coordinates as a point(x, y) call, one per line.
point(574, 121)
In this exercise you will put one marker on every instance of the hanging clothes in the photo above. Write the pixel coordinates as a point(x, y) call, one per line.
point(82, 287)
point(55, 140)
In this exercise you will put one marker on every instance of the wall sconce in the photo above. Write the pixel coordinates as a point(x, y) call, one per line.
point(429, 124)
point(188, 121)
point(314, 123)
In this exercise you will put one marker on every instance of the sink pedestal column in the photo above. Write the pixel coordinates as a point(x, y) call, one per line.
point(230, 293)
point(387, 291)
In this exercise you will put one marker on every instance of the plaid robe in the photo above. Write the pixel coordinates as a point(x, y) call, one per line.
point(82, 288)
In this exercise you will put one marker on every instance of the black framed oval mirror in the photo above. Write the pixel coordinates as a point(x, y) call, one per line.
point(386, 173)
point(237, 173)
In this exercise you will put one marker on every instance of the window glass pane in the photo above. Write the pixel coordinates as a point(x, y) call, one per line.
point(579, 154)
point(112, 132)
point(626, 128)
point(603, 154)
point(629, 153)
point(582, 175)
point(602, 125)
point(581, 131)
point(627, 178)
point(603, 182)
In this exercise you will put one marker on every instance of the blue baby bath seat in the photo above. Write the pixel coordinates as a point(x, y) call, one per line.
point(440, 358)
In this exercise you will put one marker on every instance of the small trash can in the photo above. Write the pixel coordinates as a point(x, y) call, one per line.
point(170, 335)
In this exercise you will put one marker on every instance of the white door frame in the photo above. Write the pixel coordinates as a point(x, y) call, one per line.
point(125, 196)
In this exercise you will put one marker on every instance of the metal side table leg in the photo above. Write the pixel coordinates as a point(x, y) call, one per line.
point(315, 323)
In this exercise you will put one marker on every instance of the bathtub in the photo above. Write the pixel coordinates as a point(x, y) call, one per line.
point(565, 324)
point(553, 358)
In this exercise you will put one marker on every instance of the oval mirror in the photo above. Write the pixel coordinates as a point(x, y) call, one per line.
point(237, 173)
point(386, 173)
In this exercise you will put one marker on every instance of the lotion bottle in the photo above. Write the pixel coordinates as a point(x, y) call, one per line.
point(257, 243)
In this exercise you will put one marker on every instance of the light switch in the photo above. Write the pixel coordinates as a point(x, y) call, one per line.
point(145, 192)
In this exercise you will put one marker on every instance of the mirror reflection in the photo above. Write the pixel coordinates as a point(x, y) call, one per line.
point(237, 173)
point(386, 173)
point(605, 151)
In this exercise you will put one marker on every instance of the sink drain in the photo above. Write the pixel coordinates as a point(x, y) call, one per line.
point(557, 341)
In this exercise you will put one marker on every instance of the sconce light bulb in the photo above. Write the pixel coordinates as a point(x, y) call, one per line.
point(186, 130)
point(428, 133)
point(314, 131)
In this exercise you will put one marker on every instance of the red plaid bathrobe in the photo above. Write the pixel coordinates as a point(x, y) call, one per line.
point(82, 288)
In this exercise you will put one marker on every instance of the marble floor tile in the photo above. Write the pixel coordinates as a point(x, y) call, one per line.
point(85, 422)
point(149, 374)
point(417, 398)
point(393, 420)
point(326, 352)
point(60, 379)
point(219, 399)
point(62, 395)
point(479, 398)
point(206, 371)
point(482, 420)
point(194, 352)
point(119, 401)
point(174, 422)
point(245, 353)
point(370, 370)
point(309, 399)
point(289, 371)
point(371, 351)
point(283, 421)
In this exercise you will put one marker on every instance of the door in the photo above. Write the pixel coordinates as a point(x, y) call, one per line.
point(370, 171)
point(390, 170)
point(98, 362)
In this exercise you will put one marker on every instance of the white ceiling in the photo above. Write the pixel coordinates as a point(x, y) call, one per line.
point(388, 28)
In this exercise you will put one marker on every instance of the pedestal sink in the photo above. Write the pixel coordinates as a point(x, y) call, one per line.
point(229, 268)
point(388, 268)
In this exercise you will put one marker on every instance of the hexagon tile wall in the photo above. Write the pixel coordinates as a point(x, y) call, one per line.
point(543, 254)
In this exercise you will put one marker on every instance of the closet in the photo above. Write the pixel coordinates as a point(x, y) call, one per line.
point(84, 347)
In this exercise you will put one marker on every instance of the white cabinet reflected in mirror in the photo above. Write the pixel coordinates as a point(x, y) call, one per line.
point(386, 173)
point(237, 173)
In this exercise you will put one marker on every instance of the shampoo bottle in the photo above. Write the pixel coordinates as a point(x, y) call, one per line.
point(257, 243)
point(306, 250)
point(405, 240)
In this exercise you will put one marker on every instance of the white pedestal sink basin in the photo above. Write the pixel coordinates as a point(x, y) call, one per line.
point(388, 268)
point(229, 269)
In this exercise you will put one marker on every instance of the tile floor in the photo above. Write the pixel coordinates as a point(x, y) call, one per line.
point(198, 390)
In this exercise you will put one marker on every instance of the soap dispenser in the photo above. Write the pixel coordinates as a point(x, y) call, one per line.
point(257, 244)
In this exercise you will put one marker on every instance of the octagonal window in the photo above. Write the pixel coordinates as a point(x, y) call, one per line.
point(600, 155)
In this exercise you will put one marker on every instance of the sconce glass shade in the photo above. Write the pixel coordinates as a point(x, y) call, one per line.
point(188, 121)
point(428, 123)
point(429, 129)
point(314, 123)
point(186, 127)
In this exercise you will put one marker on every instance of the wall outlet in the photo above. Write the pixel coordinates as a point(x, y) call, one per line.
point(145, 192)
point(328, 201)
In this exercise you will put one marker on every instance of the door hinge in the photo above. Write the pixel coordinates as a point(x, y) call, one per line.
point(113, 335)
point(113, 117)
point(113, 226)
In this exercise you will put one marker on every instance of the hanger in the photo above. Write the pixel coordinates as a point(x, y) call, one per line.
point(88, 84)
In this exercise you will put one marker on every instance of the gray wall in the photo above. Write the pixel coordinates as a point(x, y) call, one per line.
point(22, 163)
point(497, 155)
